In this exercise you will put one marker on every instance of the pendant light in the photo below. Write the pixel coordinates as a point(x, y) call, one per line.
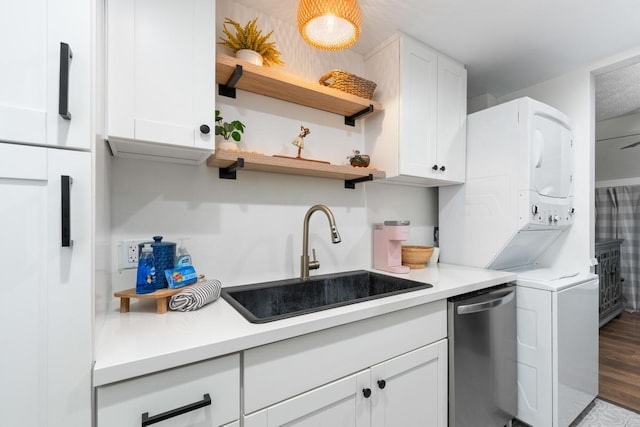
point(329, 24)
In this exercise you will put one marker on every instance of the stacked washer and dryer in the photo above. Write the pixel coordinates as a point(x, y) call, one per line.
point(516, 201)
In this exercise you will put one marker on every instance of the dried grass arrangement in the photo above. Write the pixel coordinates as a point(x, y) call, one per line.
point(250, 37)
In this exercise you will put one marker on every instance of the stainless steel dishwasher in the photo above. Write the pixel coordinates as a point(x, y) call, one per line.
point(482, 358)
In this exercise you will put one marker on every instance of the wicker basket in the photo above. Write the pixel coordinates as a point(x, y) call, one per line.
point(349, 83)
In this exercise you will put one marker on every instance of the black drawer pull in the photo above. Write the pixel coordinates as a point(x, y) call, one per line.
point(63, 88)
point(65, 197)
point(147, 420)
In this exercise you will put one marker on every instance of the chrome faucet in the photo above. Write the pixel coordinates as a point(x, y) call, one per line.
point(305, 264)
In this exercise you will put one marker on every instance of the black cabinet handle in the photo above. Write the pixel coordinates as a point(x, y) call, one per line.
point(147, 420)
point(382, 384)
point(65, 63)
point(366, 392)
point(205, 129)
point(442, 168)
point(65, 197)
point(434, 167)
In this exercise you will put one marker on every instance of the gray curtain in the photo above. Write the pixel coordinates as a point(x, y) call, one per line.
point(618, 217)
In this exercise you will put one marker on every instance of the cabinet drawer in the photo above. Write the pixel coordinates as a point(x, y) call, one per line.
point(275, 372)
point(122, 404)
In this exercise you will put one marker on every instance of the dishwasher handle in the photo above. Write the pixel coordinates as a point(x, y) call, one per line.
point(503, 297)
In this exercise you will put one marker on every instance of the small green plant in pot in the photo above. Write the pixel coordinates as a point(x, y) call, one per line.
point(359, 160)
point(228, 130)
point(231, 132)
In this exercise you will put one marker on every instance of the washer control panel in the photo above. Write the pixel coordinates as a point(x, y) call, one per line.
point(548, 211)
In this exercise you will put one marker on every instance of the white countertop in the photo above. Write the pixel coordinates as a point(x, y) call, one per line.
point(141, 342)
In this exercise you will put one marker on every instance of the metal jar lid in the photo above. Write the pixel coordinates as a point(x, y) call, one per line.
point(157, 241)
point(400, 222)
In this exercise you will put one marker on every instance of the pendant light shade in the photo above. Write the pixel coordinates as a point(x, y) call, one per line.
point(330, 24)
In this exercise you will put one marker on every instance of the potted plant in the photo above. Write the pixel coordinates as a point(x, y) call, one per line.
point(359, 160)
point(231, 132)
point(249, 44)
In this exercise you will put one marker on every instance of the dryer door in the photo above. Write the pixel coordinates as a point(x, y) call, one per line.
point(551, 157)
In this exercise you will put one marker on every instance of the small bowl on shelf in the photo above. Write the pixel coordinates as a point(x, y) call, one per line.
point(414, 256)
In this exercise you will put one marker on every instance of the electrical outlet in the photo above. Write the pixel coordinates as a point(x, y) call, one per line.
point(129, 253)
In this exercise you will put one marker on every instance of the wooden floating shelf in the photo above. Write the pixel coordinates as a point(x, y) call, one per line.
point(229, 161)
point(276, 84)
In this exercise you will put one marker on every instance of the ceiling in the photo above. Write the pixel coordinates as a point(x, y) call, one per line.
point(507, 45)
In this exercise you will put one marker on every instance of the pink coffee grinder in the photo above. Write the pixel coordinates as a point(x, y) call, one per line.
point(387, 246)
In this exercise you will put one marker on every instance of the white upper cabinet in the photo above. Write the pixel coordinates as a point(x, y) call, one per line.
point(36, 90)
point(161, 78)
point(420, 139)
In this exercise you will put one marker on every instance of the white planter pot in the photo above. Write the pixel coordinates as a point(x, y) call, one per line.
point(250, 56)
point(223, 144)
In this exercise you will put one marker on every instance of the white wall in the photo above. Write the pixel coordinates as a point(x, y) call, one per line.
point(250, 229)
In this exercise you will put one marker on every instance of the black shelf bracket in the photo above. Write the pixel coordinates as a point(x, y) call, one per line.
point(351, 183)
point(351, 120)
point(230, 171)
point(229, 89)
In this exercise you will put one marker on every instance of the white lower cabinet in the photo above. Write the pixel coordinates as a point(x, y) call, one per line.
point(46, 319)
point(409, 390)
point(178, 397)
point(340, 403)
point(389, 370)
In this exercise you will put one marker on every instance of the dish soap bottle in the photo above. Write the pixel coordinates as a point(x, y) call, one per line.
point(146, 278)
point(183, 259)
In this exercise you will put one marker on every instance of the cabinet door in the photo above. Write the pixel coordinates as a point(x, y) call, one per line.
point(46, 319)
point(411, 390)
point(30, 83)
point(452, 119)
point(123, 404)
point(418, 88)
point(341, 403)
point(161, 71)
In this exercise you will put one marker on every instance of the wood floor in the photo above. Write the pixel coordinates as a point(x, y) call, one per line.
point(620, 361)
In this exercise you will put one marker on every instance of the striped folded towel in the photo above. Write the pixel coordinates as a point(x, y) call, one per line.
point(196, 296)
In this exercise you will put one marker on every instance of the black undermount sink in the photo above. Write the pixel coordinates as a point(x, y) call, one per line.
point(269, 301)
